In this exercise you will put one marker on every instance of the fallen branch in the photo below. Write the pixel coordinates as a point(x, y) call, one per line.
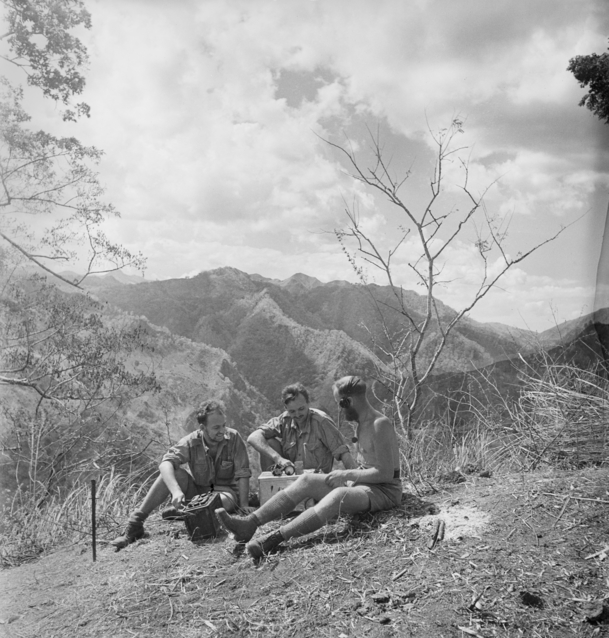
point(577, 498)
point(602, 551)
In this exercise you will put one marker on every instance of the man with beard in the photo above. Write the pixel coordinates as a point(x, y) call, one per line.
point(217, 460)
point(301, 434)
point(374, 485)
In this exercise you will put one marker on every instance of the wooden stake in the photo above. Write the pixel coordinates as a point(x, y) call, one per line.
point(93, 522)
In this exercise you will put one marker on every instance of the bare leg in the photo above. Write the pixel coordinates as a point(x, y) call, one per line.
point(227, 501)
point(156, 496)
point(342, 500)
point(159, 492)
point(306, 486)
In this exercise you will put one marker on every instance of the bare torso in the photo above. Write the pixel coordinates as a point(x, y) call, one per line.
point(368, 453)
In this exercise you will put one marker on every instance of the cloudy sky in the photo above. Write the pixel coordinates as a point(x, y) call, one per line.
point(212, 115)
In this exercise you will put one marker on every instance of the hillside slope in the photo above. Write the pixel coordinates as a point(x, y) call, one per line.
point(299, 329)
point(523, 555)
point(143, 428)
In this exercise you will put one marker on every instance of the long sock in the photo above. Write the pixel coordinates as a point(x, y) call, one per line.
point(137, 516)
point(280, 504)
point(307, 522)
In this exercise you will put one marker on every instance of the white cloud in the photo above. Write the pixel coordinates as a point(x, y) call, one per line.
point(211, 167)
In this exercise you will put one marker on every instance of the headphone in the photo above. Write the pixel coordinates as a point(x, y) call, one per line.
point(345, 401)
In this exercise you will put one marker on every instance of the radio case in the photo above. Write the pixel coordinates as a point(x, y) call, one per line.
point(200, 519)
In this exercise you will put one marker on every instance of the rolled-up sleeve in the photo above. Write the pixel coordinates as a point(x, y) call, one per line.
point(332, 438)
point(179, 453)
point(240, 458)
point(272, 429)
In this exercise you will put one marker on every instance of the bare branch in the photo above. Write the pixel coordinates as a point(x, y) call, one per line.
point(413, 353)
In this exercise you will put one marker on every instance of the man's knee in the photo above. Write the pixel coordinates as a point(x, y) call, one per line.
point(228, 503)
point(339, 494)
point(345, 500)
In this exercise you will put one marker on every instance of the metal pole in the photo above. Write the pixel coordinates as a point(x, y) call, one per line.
point(93, 540)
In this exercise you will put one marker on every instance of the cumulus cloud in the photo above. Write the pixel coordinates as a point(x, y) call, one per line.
point(213, 115)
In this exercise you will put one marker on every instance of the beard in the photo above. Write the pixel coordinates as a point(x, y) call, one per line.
point(351, 414)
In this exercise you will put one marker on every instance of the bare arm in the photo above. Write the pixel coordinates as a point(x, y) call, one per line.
point(348, 461)
point(384, 446)
point(169, 476)
point(258, 441)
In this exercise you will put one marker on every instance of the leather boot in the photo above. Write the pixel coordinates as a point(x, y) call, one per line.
point(265, 545)
point(133, 531)
point(241, 527)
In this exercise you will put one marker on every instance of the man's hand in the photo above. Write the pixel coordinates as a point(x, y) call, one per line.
point(336, 478)
point(281, 462)
point(177, 499)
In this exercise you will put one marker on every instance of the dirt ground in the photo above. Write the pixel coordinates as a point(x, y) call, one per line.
point(522, 555)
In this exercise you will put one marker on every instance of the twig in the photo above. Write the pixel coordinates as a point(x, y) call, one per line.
point(434, 535)
point(578, 498)
point(400, 574)
point(562, 511)
point(602, 551)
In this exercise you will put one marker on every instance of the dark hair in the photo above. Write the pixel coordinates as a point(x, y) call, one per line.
point(350, 386)
point(290, 392)
point(206, 408)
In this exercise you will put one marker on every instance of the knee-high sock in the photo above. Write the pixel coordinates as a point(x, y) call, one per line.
point(307, 522)
point(280, 504)
point(137, 516)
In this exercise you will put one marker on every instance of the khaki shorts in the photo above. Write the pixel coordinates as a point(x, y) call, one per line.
point(383, 496)
point(194, 490)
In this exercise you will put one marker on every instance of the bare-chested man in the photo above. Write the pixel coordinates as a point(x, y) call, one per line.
point(374, 485)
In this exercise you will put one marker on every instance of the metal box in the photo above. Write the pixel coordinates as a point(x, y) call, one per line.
point(269, 485)
point(200, 519)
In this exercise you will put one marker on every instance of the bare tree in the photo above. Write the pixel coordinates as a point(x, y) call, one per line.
point(413, 350)
point(71, 365)
point(66, 362)
point(51, 201)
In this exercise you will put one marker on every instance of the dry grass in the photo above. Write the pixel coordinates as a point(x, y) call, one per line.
point(563, 414)
point(29, 528)
point(536, 569)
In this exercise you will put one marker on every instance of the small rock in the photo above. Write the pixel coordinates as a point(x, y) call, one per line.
point(384, 620)
point(8, 620)
point(468, 468)
point(596, 612)
point(531, 600)
point(452, 477)
point(380, 598)
point(485, 474)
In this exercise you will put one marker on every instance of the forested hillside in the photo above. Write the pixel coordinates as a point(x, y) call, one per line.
point(300, 329)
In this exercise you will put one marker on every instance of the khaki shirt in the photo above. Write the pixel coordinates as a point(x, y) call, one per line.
point(316, 444)
point(230, 463)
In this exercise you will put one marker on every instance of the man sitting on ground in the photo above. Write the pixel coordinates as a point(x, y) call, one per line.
point(300, 434)
point(217, 460)
point(374, 485)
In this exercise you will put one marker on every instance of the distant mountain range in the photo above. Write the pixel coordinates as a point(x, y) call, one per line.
point(242, 338)
point(276, 332)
